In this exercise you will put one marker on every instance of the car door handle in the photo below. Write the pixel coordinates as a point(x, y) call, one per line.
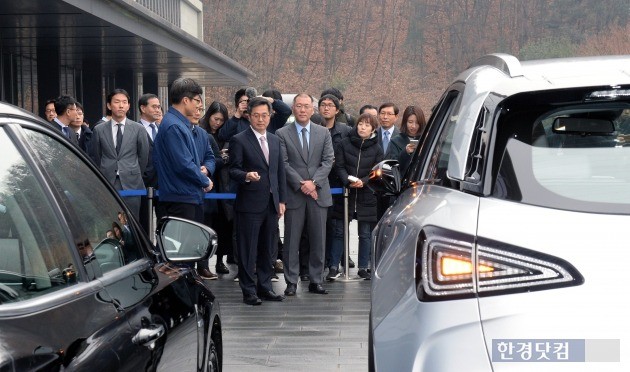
point(148, 335)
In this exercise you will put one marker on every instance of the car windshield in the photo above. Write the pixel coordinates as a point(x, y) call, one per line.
point(564, 155)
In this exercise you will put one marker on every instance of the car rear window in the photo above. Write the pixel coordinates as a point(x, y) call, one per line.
point(564, 155)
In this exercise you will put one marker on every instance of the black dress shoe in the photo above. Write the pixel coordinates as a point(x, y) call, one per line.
point(251, 300)
point(222, 269)
point(270, 296)
point(304, 278)
point(317, 288)
point(291, 289)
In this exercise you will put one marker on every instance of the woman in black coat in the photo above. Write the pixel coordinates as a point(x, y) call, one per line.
point(400, 147)
point(354, 158)
point(218, 214)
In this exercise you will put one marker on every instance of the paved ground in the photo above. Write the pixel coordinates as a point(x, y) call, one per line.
point(307, 332)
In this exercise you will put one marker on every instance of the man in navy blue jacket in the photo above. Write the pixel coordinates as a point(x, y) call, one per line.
point(182, 183)
point(257, 166)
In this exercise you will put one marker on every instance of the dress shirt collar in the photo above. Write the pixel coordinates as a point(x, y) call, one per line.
point(298, 127)
point(59, 123)
point(258, 135)
point(123, 122)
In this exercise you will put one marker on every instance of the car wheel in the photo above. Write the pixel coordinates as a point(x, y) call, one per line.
point(370, 347)
point(213, 358)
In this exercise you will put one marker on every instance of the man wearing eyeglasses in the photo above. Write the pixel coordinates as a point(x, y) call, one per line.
point(207, 167)
point(308, 157)
point(66, 110)
point(176, 160)
point(387, 116)
point(259, 171)
point(49, 110)
point(329, 108)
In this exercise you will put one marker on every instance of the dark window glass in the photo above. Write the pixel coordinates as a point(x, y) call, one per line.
point(96, 217)
point(566, 156)
point(35, 257)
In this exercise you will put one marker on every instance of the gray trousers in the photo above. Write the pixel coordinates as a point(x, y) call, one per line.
point(312, 217)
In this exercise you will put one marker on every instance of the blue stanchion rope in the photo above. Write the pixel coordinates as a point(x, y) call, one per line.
point(210, 195)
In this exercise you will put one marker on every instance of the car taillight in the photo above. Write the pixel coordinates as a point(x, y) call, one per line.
point(447, 267)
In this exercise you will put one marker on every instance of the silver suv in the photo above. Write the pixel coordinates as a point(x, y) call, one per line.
point(505, 249)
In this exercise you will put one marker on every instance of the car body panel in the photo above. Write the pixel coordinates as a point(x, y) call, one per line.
point(395, 307)
point(500, 184)
point(590, 242)
point(101, 320)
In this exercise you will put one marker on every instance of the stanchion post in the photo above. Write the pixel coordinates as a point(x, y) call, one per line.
point(346, 231)
point(346, 236)
point(151, 214)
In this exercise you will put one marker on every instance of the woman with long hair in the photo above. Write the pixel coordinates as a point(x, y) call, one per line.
point(219, 214)
point(404, 144)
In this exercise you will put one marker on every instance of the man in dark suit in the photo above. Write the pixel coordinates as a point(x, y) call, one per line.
point(308, 157)
point(66, 109)
point(387, 117)
point(49, 110)
point(256, 165)
point(120, 148)
point(150, 112)
point(81, 131)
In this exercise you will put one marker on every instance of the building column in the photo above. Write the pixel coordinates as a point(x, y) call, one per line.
point(48, 75)
point(93, 100)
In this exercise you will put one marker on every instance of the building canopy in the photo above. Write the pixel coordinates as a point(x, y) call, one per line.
point(116, 34)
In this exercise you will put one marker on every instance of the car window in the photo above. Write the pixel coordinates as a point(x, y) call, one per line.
point(35, 257)
point(437, 167)
point(570, 157)
point(98, 219)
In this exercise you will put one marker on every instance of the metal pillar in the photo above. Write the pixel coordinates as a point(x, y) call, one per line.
point(346, 237)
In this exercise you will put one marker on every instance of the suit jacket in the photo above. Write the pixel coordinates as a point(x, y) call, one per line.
point(150, 174)
point(246, 156)
point(379, 131)
point(317, 167)
point(85, 140)
point(132, 160)
point(72, 137)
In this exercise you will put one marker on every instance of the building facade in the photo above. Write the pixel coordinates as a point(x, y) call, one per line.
point(85, 48)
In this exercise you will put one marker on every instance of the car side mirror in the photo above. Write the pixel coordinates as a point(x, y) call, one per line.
point(385, 178)
point(183, 241)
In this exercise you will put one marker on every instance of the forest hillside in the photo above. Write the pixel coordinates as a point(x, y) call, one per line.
point(404, 51)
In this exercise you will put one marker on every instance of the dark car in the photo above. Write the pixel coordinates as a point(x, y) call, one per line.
point(82, 288)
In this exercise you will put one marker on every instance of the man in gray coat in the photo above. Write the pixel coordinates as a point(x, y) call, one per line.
point(120, 149)
point(308, 157)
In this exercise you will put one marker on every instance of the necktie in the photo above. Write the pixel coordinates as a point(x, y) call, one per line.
point(119, 135)
point(385, 140)
point(153, 131)
point(77, 134)
point(263, 144)
point(66, 132)
point(304, 144)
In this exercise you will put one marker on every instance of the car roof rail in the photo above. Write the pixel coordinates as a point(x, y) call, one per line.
point(506, 63)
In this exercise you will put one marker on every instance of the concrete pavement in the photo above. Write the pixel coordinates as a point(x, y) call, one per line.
point(307, 332)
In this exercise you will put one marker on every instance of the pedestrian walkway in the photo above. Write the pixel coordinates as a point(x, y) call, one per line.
point(308, 332)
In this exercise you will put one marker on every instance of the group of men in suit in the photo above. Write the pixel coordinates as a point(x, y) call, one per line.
point(281, 174)
point(120, 147)
point(285, 173)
